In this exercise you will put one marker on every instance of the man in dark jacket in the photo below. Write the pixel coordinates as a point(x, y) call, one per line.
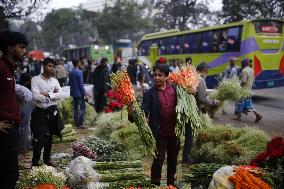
point(101, 78)
point(13, 48)
point(159, 104)
point(46, 120)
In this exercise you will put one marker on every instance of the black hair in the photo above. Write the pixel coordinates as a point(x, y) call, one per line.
point(135, 60)
point(11, 38)
point(48, 60)
point(188, 60)
point(75, 62)
point(202, 66)
point(164, 68)
point(104, 60)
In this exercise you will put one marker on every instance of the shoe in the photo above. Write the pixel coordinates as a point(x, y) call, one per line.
point(49, 164)
point(188, 162)
point(258, 118)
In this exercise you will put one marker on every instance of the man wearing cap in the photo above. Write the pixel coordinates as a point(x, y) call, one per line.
point(247, 80)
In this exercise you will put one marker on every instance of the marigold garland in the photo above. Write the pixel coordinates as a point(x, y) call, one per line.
point(243, 179)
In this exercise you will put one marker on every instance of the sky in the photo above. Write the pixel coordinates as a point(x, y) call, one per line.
point(56, 4)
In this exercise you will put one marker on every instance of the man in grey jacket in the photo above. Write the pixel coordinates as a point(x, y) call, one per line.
point(203, 100)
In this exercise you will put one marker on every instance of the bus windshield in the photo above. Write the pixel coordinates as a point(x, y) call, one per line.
point(268, 26)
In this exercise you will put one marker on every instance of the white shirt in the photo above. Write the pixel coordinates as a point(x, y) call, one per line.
point(40, 84)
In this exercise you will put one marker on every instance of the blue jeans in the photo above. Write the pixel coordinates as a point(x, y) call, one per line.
point(78, 102)
point(25, 133)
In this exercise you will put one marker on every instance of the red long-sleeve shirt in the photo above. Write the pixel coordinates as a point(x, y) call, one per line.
point(168, 100)
point(9, 109)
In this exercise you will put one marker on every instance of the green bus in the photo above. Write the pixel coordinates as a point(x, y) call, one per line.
point(92, 52)
point(260, 40)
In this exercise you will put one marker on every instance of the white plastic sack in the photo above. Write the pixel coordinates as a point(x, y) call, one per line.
point(220, 178)
point(80, 172)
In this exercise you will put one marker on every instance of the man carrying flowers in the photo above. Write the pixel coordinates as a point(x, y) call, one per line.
point(159, 104)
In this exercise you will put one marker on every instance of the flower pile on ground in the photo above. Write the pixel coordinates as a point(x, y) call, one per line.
point(43, 175)
point(122, 86)
point(228, 145)
point(113, 103)
point(80, 149)
point(272, 160)
point(245, 179)
point(186, 81)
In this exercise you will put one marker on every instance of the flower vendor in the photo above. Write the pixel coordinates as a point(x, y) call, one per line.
point(159, 104)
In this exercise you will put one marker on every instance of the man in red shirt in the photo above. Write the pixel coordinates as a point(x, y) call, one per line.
point(13, 47)
point(159, 104)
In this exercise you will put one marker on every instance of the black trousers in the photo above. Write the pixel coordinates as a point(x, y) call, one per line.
point(187, 144)
point(169, 144)
point(100, 102)
point(45, 142)
point(9, 168)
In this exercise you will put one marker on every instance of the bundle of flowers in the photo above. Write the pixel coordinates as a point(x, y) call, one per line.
point(247, 180)
point(122, 86)
point(275, 150)
point(230, 89)
point(43, 175)
point(186, 81)
point(273, 161)
point(105, 150)
point(113, 103)
point(80, 149)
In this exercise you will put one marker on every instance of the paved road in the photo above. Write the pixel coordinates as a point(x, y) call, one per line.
point(270, 103)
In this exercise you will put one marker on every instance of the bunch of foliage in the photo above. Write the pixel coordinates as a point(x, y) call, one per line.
point(228, 145)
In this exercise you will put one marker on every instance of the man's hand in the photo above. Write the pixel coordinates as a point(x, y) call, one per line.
point(86, 98)
point(44, 94)
point(4, 126)
point(56, 90)
point(217, 102)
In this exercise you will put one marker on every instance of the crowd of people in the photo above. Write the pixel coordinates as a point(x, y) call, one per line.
point(29, 113)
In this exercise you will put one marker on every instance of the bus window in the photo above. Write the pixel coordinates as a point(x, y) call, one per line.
point(144, 48)
point(165, 46)
point(268, 26)
point(191, 43)
point(216, 40)
point(206, 41)
point(175, 45)
point(233, 39)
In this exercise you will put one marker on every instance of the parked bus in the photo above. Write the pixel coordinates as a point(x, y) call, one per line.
point(92, 52)
point(261, 40)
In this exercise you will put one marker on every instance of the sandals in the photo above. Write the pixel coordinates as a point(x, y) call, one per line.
point(258, 118)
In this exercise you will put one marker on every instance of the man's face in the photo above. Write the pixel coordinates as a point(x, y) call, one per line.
point(160, 78)
point(49, 69)
point(232, 63)
point(18, 52)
